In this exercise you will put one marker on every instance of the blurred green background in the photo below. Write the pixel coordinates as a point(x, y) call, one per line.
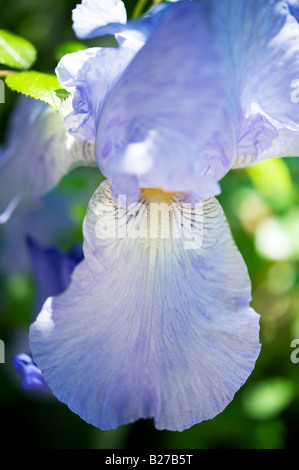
point(262, 207)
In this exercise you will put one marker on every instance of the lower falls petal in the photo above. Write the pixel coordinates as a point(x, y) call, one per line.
point(150, 327)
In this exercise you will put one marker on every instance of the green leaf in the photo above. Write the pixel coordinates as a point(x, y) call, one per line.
point(41, 86)
point(68, 47)
point(16, 52)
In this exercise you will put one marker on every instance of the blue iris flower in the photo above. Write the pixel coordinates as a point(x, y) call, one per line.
point(148, 328)
point(193, 90)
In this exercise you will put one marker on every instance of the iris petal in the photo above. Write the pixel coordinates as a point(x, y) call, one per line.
point(91, 16)
point(166, 105)
point(260, 48)
point(99, 18)
point(148, 328)
point(244, 55)
point(285, 145)
point(89, 75)
point(38, 154)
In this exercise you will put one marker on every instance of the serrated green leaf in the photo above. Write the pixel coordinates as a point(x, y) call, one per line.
point(41, 86)
point(68, 47)
point(15, 51)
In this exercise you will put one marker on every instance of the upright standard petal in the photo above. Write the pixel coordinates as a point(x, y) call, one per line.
point(260, 48)
point(39, 152)
point(99, 18)
point(91, 17)
point(148, 328)
point(148, 134)
point(159, 118)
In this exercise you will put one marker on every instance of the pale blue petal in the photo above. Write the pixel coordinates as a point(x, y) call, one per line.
point(286, 144)
point(39, 152)
point(161, 124)
point(149, 328)
point(161, 116)
point(89, 75)
point(260, 47)
point(142, 28)
point(91, 15)
point(98, 69)
point(99, 18)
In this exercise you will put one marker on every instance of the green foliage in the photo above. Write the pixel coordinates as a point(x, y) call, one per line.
point(41, 86)
point(16, 52)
